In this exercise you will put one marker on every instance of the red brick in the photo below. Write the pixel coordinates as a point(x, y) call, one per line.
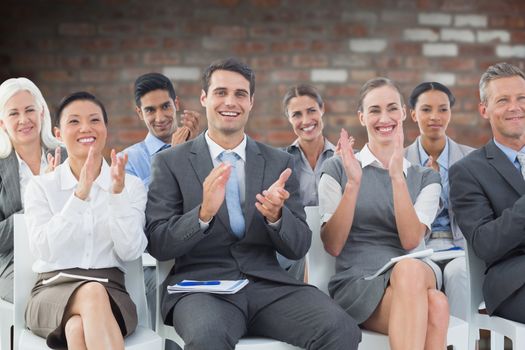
point(118, 28)
point(160, 26)
point(97, 44)
point(362, 75)
point(250, 47)
point(128, 137)
point(308, 31)
point(280, 138)
point(78, 61)
point(139, 43)
point(460, 63)
point(404, 76)
point(268, 31)
point(407, 49)
point(337, 106)
point(59, 75)
point(345, 30)
point(266, 3)
point(476, 50)
point(290, 75)
point(162, 58)
point(229, 31)
point(323, 45)
point(35, 61)
point(514, 21)
point(268, 62)
point(388, 62)
point(119, 59)
point(290, 45)
point(98, 75)
point(467, 79)
point(77, 29)
point(310, 61)
point(342, 90)
point(175, 43)
point(518, 37)
point(227, 3)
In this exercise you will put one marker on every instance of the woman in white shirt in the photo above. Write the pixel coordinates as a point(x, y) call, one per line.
point(375, 206)
point(25, 138)
point(85, 218)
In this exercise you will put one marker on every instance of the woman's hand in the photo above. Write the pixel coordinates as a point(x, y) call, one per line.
point(53, 162)
point(118, 171)
point(395, 166)
point(352, 166)
point(88, 174)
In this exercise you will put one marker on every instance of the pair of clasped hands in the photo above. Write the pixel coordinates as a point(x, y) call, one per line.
point(352, 166)
point(269, 202)
point(91, 169)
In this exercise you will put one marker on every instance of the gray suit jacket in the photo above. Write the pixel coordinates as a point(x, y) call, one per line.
point(488, 195)
point(172, 219)
point(10, 203)
point(456, 151)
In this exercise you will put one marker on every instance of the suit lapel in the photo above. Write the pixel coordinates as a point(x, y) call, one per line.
point(254, 175)
point(11, 179)
point(455, 153)
point(412, 153)
point(202, 164)
point(501, 163)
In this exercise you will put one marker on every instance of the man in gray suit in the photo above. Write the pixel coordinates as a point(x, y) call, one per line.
point(488, 192)
point(192, 217)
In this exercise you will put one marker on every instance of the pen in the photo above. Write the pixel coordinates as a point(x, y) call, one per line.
point(198, 283)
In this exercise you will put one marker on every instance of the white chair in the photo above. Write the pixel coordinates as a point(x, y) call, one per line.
point(322, 267)
point(142, 339)
point(168, 332)
point(503, 327)
point(6, 323)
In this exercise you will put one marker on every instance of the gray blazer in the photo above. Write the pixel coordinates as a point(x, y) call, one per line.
point(172, 219)
point(488, 194)
point(456, 151)
point(10, 203)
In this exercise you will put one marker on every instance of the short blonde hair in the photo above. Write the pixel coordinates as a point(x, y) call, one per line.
point(7, 90)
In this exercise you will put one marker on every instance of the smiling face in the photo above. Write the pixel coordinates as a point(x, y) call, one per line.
point(159, 114)
point(82, 126)
point(228, 104)
point(382, 111)
point(305, 116)
point(432, 114)
point(22, 119)
point(505, 109)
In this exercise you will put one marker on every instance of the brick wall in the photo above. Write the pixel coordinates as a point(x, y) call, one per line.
point(102, 46)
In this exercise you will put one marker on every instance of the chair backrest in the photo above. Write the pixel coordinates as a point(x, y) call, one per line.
point(476, 276)
point(321, 265)
point(25, 278)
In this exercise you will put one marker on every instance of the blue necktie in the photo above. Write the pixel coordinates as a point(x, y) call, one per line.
point(233, 198)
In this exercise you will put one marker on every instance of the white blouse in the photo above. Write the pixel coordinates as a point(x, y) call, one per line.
point(102, 231)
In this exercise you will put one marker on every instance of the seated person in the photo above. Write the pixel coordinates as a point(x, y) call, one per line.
point(375, 206)
point(487, 191)
point(85, 218)
point(304, 108)
point(430, 105)
point(26, 149)
point(222, 205)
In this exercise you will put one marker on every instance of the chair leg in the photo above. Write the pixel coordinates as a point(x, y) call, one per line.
point(473, 336)
point(497, 341)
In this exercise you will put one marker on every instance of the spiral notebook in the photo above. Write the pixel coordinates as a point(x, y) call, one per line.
point(415, 255)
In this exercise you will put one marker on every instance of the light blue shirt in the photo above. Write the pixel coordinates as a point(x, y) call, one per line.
point(511, 154)
point(442, 221)
point(140, 156)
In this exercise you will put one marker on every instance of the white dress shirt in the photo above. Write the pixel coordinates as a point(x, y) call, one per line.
point(100, 232)
point(26, 174)
point(426, 205)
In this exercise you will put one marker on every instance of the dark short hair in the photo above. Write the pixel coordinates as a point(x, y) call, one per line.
point(152, 81)
point(301, 90)
point(231, 64)
point(373, 84)
point(428, 86)
point(78, 96)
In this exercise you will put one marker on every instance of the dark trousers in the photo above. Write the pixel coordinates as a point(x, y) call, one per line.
point(299, 315)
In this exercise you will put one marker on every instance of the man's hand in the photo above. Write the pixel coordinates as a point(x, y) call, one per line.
point(118, 171)
point(180, 135)
point(213, 191)
point(271, 201)
point(190, 120)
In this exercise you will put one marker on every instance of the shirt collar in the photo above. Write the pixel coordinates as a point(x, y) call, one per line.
point(153, 144)
point(43, 161)
point(328, 146)
point(216, 150)
point(509, 152)
point(442, 159)
point(68, 180)
point(366, 157)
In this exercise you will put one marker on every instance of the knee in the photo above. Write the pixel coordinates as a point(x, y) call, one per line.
point(92, 295)
point(409, 275)
point(438, 310)
point(341, 330)
point(200, 339)
point(74, 330)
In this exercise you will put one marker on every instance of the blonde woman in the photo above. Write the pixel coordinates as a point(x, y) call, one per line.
point(27, 148)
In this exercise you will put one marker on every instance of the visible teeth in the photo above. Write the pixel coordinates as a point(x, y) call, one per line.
point(229, 114)
point(385, 129)
point(87, 140)
point(308, 128)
